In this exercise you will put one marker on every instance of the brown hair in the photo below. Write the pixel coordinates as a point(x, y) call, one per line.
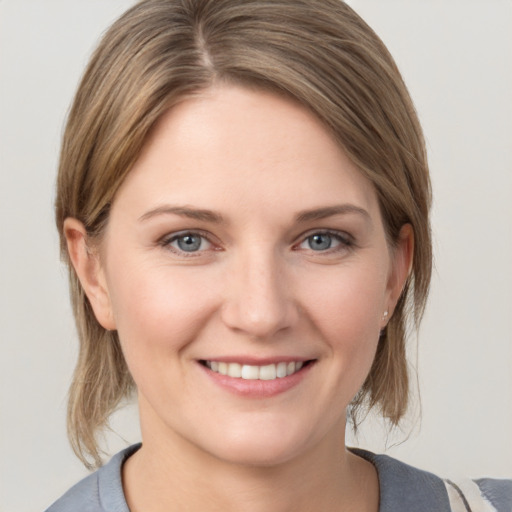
point(319, 52)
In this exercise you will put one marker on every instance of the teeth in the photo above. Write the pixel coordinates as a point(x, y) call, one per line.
point(235, 370)
point(223, 368)
point(281, 370)
point(251, 372)
point(268, 372)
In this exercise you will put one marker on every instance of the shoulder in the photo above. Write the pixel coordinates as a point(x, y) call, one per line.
point(101, 491)
point(486, 494)
point(85, 494)
point(404, 488)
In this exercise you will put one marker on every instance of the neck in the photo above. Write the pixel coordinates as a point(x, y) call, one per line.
point(173, 475)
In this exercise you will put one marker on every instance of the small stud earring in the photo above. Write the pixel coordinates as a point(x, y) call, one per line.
point(385, 315)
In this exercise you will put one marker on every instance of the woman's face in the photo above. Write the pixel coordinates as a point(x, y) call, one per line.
point(246, 269)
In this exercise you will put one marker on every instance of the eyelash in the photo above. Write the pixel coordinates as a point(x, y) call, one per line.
point(167, 240)
point(346, 242)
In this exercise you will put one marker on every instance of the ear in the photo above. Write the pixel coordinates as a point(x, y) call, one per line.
point(87, 265)
point(402, 260)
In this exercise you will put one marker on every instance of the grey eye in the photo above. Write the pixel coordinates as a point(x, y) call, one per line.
point(319, 241)
point(189, 242)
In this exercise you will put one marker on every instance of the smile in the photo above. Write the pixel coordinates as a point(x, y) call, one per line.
point(252, 372)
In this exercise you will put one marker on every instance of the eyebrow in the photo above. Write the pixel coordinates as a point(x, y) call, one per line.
point(329, 211)
point(216, 218)
point(184, 211)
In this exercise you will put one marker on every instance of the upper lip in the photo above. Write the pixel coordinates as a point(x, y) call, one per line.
point(257, 361)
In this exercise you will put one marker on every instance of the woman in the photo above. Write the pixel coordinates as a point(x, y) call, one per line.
point(243, 199)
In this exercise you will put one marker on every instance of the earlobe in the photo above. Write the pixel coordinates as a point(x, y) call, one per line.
point(87, 265)
point(403, 255)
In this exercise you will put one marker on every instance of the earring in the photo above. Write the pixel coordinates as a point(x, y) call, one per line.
point(385, 315)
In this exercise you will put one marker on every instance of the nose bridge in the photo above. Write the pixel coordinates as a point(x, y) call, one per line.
point(259, 301)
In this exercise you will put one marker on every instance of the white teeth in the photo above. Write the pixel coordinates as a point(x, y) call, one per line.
point(251, 372)
point(268, 372)
point(235, 370)
point(281, 370)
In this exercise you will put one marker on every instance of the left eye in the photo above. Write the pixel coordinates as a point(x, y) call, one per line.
point(189, 242)
point(322, 241)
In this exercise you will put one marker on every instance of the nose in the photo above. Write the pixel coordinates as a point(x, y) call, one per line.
point(259, 300)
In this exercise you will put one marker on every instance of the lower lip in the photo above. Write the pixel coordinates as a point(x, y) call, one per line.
point(257, 388)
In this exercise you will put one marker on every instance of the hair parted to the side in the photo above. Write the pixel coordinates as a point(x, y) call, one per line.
point(319, 52)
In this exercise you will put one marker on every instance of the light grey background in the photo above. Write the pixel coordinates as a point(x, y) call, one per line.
point(456, 57)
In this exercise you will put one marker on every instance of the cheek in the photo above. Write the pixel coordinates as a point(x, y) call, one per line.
point(352, 300)
point(158, 310)
point(347, 311)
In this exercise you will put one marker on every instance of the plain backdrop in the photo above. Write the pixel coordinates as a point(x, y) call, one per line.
point(456, 57)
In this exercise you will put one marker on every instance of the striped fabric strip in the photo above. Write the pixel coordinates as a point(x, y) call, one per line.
point(465, 496)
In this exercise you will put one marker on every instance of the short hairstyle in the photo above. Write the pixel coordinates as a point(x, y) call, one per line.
point(319, 53)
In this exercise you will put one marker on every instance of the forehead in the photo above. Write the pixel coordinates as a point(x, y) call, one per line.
point(231, 146)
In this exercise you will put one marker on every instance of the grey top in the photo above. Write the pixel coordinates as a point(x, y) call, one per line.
point(402, 488)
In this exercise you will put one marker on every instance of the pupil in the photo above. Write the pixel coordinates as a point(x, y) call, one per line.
point(320, 242)
point(189, 243)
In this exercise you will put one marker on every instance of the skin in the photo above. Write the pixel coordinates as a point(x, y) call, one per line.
point(256, 287)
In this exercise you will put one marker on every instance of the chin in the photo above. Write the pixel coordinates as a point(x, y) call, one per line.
point(261, 446)
point(258, 453)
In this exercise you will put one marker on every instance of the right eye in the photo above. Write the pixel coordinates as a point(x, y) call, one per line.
point(187, 242)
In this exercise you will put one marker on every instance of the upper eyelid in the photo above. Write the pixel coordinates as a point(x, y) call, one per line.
point(167, 239)
point(343, 235)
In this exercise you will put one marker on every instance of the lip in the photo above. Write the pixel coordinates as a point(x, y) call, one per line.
point(258, 361)
point(257, 388)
